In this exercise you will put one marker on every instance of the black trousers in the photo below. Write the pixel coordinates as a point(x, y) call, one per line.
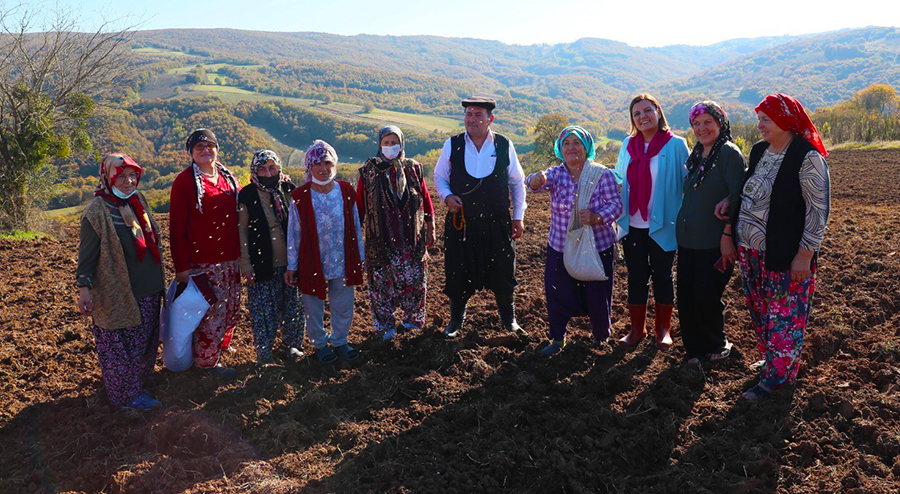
point(700, 305)
point(483, 255)
point(645, 259)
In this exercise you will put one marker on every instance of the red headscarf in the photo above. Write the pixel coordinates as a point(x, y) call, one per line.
point(789, 114)
point(132, 210)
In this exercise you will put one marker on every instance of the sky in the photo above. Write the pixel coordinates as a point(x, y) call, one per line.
point(637, 23)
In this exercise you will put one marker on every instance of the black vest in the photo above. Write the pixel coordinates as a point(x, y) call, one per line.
point(486, 197)
point(787, 209)
point(259, 243)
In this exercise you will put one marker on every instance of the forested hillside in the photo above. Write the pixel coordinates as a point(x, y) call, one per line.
point(589, 80)
point(153, 133)
point(282, 90)
point(820, 70)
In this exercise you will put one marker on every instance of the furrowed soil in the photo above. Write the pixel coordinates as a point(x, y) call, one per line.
point(484, 412)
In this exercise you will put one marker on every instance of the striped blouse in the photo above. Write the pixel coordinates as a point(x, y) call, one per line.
point(815, 185)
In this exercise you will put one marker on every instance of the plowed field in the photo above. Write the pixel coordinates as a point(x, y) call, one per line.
point(485, 412)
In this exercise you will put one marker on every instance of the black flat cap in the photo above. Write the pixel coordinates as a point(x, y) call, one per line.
point(481, 101)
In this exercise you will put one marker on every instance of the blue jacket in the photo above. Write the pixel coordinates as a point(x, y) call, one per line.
point(666, 199)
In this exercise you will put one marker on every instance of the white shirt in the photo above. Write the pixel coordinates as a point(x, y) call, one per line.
point(480, 164)
point(636, 220)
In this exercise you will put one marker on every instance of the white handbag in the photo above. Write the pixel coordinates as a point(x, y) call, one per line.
point(180, 317)
point(580, 255)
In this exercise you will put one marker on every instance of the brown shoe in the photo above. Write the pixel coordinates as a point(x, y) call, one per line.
point(661, 326)
point(638, 327)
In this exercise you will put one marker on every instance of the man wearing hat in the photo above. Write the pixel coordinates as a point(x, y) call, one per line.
point(476, 175)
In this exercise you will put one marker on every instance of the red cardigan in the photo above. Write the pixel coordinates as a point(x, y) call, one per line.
point(202, 238)
point(310, 278)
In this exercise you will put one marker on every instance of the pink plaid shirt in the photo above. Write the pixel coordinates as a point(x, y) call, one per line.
point(606, 201)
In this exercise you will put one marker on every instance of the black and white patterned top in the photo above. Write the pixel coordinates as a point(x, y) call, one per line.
point(815, 185)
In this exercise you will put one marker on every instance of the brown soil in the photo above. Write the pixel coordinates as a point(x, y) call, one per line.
point(484, 413)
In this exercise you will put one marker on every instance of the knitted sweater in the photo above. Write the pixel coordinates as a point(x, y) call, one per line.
point(113, 307)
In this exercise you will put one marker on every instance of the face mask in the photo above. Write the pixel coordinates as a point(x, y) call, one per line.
point(121, 195)
point(324, 182)
point(269, 182)
point(390, 152)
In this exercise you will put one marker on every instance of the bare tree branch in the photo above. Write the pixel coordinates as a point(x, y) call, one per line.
point(48, 69)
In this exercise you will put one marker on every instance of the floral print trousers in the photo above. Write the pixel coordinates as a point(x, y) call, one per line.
point(217, 327)
point(401, 283)
point(272, 303)
point(128, 355)
point(779, 309)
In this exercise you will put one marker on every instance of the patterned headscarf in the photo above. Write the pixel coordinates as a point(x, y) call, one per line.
point(789, 114)
point(696, 160)
point(132, 210)
point(398, 177)
point(276, 195)
point(392, 129)
point(587, 140)
point(318, 152)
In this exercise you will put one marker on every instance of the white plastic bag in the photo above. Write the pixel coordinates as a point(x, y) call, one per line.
point(580, 255)
point(180, 317)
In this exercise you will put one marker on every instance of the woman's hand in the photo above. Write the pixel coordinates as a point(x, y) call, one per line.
point(726, 247)
point(183, 276)
point(290, 277)
point(800, 265)
point(588, 217)
point(248, 278)
point(85, 301)
point(429, 235)
point(721, 210)
point(538, 180)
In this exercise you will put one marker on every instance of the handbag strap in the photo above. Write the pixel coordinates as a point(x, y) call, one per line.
point(587, 182)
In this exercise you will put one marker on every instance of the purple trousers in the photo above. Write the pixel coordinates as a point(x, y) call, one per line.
point(568, 297)
point(127, 355)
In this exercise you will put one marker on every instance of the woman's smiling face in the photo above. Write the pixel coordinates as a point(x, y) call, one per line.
point(205, 153)
point(706, 129)
point(127, 181)
point(645, 116)
point(573, 150)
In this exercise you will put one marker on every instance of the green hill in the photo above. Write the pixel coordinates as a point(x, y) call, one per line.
point(819, 70)
point(283, 90)
point(589, 80)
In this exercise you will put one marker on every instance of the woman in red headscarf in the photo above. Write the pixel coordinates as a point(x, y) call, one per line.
point(784, 206)
point(120, 248)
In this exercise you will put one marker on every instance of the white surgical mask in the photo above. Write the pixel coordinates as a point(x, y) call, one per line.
point(121, 195)
point(390, 152)
point(324, 182)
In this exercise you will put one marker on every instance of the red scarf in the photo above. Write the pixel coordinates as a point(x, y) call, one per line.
point(132, 210)
point(789, 114)
point(640, 181)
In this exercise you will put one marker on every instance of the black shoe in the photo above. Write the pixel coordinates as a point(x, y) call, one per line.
point(508, 319)
point(457, 318)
